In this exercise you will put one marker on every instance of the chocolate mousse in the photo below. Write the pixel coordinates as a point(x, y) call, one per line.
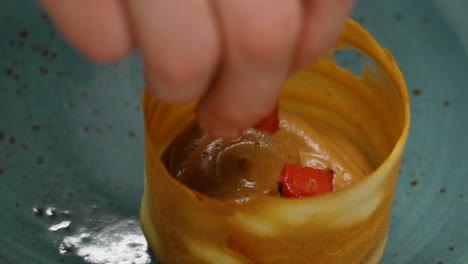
point(251, 165)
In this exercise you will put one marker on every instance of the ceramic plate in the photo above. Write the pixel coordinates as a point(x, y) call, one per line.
point(71, 140)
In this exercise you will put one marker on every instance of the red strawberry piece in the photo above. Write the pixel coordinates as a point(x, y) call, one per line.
point(305, 181)
point(269, 124)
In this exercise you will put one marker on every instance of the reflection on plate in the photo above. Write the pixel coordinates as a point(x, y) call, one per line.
point(107, 240)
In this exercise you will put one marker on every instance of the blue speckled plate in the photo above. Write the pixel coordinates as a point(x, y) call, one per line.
point(71, 140)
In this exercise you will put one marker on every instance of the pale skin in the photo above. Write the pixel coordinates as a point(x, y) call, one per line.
point(231, 55)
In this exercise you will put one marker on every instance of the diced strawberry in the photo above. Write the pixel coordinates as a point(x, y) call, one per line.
point(270, 124)
point(305, 181)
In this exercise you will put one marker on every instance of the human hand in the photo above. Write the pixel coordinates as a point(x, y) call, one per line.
point(231, 55)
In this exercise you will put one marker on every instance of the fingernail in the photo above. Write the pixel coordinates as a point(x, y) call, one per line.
point(177, 93)
point(214, 129)
point(223, 132)
point(164, 92)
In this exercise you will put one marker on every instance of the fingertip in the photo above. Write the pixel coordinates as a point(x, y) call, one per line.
point(224, 132)
point(98, 29)
point(214, 127)
point(229, 119)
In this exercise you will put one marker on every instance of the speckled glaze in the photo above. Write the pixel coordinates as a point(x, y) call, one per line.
point(71, 140)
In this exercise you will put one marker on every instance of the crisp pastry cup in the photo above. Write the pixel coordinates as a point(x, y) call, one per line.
point(347, 226)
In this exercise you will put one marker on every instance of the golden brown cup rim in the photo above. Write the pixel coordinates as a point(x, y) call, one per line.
point(358, 38)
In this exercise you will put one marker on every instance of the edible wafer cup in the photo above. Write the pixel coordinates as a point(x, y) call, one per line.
point(349, 225)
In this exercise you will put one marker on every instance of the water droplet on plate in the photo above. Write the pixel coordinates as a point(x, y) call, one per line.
point(61, 225)
point(38, 211)
point(51, 211)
